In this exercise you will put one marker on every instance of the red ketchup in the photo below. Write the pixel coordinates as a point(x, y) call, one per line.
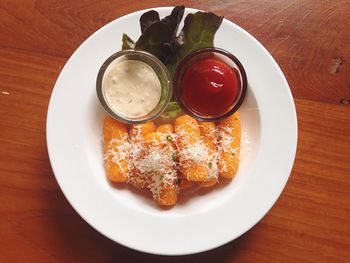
point(210, 87)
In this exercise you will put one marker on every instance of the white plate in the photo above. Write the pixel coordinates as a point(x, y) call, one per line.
point(74, 128)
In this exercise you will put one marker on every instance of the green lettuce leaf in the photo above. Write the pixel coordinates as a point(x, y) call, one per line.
point(171, 112)
point(127, 42)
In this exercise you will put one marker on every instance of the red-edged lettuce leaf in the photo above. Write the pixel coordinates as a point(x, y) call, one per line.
point(158, 36)
point(198, 32)
point(148, 19)
point(173, 20)
point(155, 40)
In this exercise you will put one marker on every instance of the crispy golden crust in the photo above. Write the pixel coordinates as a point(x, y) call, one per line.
point(221, 143)
point(229, 131)
point(114, 133)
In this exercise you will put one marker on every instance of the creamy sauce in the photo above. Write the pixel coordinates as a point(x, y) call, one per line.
point(131, 88)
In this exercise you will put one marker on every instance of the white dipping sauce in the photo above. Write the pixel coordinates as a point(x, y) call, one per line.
point(131, 87)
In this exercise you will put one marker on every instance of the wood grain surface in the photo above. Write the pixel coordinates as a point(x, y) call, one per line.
point(309, 40)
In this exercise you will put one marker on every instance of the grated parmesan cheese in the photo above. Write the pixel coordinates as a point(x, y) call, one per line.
point(153, 164)
point(119, 150)
point(196, 152)
point(225, 143)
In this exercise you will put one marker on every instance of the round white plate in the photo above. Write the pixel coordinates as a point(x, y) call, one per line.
point(203, 222)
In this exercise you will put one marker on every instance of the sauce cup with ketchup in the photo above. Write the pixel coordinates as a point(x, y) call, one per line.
point(210, 84)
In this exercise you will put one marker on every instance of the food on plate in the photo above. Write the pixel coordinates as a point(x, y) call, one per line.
point(174, 153)
point(132, 88)
point(210, 84)
point(209, 133)
point(137, 147)
point(229, 131)
point(168, 159)
point(159, 36)
point(116, 143)
point(138, 132)
point(160, 158)
point(193, 155)
point(210, 87)
point(151, 162)
point(166, 130)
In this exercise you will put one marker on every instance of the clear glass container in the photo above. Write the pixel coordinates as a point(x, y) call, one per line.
point(217, 54)
point(160, 70)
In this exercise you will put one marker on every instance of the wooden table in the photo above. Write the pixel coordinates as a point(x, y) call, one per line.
point(309, 40)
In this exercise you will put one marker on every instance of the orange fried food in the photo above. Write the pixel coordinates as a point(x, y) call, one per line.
point(230, 143)
point(208, 183)
point(187, 130)
point(191, 149)
point(161, 166)
point(138, 134)
point(171, 158)
point(167, 195)
point(209, 133)
point(116, 143)
point(185, 184)
point(165, 128)
point(152, 137)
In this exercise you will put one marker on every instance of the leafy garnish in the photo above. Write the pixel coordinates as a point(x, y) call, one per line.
point(174, 155)
point(148, 19)
point(171, 111)
point(198, 32)
point(128, 43)
point(173, 21)
point(178, 181)
point(158, 36)
point(155, 40)
point(169, 138)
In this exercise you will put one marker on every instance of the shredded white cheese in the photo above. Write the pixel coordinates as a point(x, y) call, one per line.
point(225, 143)
point(150, 165)
point(118, 150)
point(153, 164)
point(196, 152)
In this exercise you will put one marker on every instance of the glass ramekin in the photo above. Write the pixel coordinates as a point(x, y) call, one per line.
point(219, 54)
point(160, 70)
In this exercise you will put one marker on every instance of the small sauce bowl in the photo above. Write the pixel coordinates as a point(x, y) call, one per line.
point(161, 72)
point(191, 64)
